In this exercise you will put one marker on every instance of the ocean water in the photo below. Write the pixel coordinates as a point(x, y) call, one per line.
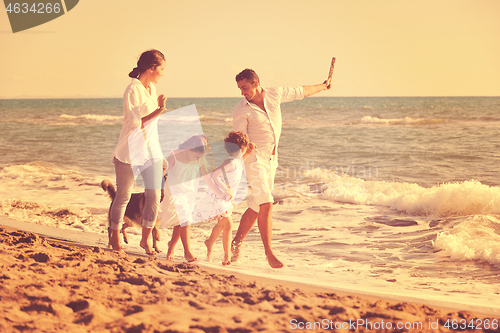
point(396, 196)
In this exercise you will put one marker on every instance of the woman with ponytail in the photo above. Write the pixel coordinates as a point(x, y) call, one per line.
point(138, 148)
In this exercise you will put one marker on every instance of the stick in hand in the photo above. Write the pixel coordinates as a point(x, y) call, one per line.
point(329, 80)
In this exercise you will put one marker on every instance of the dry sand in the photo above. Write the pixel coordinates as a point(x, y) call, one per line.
point(55, 286)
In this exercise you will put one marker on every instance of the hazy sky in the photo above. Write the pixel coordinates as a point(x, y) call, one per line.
point(383, 47)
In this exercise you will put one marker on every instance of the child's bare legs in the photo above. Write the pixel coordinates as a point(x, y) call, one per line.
point(224, 226)
point(185, 233)
point(146, 232)
point(176, 234)
point(226, 238)
point(216, 231)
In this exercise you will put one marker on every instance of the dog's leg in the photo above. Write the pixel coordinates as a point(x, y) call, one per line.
point(109, 238)
point(125, 236)
point(127, 223)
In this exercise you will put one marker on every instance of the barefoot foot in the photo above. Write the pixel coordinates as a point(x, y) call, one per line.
point(189, 256)
point(148, 248)
point(209, 250)
point(273, 261)
point(170, 251)
point(114, 241)
point(120, 250)
point(235, 250)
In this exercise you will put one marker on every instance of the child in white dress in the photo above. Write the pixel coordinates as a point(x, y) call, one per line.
point(185, 166)
point(227, 175)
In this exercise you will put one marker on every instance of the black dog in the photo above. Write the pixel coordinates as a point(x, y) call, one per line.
point(133, 214)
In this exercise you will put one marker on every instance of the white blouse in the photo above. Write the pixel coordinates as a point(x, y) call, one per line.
point(136, 146)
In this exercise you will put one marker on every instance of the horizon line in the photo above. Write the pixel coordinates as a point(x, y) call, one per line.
point(353, 96)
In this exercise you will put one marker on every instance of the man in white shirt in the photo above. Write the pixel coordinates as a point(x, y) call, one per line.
point(259, 116)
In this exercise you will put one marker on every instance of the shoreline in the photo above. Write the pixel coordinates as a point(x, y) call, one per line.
point(92, 240)
point(47, 280)
point(310, 287)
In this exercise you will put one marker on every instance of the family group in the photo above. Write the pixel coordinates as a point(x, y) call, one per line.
point(173, 180)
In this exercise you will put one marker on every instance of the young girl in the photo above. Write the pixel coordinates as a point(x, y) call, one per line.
point(228, 174)
point(185, 165)
point(140, 107)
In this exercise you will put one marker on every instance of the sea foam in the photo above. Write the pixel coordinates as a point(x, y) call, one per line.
point(477, 238)
point(409, 121)
point(89, 119)
point(450, 199)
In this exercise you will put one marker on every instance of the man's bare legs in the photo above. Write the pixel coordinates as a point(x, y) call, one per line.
point(246, 223)
point(265, 224)
point(184, 233)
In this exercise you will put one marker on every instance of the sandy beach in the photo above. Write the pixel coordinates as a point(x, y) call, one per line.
point(49, 285)
point(386, 192)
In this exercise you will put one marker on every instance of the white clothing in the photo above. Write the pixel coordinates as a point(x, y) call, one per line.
point(183, 180)
point(211, 206)
point(260, 170)
point(132, 147)
point(133, 156)
point(263, 128)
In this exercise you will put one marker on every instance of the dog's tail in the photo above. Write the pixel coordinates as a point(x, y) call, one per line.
point(108, 187)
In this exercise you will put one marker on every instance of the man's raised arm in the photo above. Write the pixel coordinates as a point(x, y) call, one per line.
point(311, 90)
